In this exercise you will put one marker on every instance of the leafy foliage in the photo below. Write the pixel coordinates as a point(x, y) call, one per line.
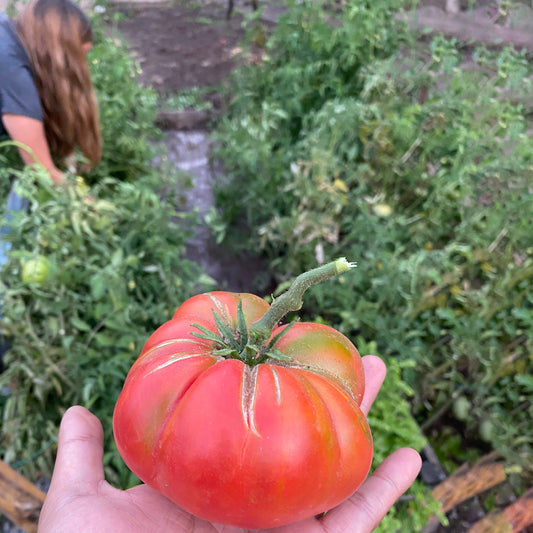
point(127, 111)
point(393, 427)
point(116, 273)
point(116, 270)
point(355, 141)
point(193, 98)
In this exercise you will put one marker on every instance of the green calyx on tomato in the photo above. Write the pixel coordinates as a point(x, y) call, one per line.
point(237, 344)
point(251, 344)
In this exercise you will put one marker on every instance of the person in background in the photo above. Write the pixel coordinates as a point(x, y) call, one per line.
point(47, 102)
point(79, 498)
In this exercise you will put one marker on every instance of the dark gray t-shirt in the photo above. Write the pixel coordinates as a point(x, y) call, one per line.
point(18, 93)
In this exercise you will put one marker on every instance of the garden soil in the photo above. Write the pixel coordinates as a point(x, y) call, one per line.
point(182, 45)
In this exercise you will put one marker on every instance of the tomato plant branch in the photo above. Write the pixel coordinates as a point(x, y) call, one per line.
point(292, 300)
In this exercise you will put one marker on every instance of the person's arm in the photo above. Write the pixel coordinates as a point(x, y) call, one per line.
point(30, 132)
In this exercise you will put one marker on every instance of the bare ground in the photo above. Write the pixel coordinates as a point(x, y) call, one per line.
point(182, 45)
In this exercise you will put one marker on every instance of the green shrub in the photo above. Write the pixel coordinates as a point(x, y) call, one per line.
point(127, 111)
point(116, 272)
point(309, 61)
point(351, 139)
point(393, 427)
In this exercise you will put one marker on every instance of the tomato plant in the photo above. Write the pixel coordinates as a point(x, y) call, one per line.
point(242, 421)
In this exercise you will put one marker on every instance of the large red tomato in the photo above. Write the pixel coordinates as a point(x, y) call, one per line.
point(240, 434)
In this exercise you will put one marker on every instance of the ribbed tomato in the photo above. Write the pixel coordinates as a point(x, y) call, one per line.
point(243, 429)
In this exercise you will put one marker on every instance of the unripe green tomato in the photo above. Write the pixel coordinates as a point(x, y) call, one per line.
point(461, 408)
point(453, 193)
point(486, 430)
point(35, 270)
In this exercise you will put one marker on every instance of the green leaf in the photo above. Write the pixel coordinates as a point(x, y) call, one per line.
point(524, 315)
point(102, 339)
point(525, 381)
point(98, 286)
point(117, 258)
point(80, 324)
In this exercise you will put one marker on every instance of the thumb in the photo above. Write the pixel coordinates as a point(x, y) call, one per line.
point(79, 467)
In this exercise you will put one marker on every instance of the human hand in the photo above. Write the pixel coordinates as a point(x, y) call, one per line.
point(79, 498)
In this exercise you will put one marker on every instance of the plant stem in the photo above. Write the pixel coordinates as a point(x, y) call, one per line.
point(292, 300)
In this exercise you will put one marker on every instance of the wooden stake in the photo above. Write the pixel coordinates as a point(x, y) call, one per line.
point(465, 483)
point(520, 513)
point(20, 500)
point(513, 519)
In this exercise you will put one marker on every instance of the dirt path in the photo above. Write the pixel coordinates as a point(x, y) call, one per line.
point(184, 45)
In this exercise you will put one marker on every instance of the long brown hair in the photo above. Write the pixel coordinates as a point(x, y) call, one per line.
point(53, 33)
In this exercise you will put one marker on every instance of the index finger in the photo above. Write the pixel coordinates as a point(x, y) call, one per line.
point(375, 372)
point(79, 462)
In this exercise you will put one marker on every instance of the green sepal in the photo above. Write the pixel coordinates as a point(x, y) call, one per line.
point(227, 352)
point(225, 332)
point(277, 354)
point(278, 336)
point(207, 334)
point(273, 354)
point(248, 353)
point(243, 328)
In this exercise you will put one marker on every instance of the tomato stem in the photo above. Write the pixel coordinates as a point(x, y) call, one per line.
point(291, 300)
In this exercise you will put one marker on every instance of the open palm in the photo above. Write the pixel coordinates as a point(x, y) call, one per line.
point(80, 499)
